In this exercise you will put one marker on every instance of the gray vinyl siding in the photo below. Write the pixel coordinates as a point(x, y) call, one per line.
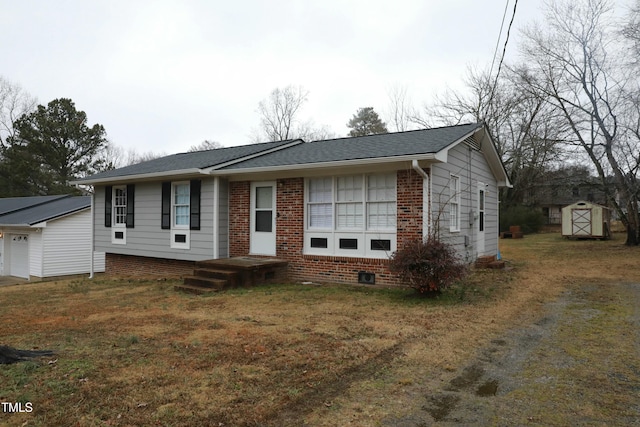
point(147, 238)
point(223, 218)
point(471, 167)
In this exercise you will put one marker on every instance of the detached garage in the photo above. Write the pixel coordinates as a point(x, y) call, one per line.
point(47, 236)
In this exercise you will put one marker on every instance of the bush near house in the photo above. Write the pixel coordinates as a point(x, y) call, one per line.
point(429, 266)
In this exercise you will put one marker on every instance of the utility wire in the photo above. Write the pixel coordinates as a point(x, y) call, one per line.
point(495, 52)
point(504, 50)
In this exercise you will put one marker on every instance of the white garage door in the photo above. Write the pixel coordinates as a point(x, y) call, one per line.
point(19, 253)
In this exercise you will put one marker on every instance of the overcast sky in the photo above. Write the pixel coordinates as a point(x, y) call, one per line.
point(165, 75)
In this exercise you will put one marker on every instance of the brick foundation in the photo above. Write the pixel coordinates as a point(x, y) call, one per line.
point(139, 266)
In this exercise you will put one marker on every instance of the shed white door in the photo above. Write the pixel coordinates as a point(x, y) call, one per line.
point(19, 254)
point(263, 218)
point(581, 222)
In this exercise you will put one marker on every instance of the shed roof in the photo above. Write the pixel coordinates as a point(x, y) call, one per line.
point(27, 211)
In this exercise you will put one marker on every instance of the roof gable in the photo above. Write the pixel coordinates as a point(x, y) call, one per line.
point(26, 211)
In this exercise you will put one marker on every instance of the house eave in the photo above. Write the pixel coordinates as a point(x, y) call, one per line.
point(183, 173)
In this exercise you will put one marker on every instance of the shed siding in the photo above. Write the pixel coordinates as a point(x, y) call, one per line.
point(147, 238)
point(66, 246)
point(35, 254)
point(471, 167)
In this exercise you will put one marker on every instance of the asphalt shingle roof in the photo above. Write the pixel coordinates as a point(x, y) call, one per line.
point(360, 148)
point(32, 210)
point(190, 160)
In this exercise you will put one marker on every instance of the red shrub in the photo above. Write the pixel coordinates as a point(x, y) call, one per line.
point(429, 266)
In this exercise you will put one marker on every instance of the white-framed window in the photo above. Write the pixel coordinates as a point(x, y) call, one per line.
point(320, 204)
point(351, 215)
point(381, 202)
point(454, 203)
point(180, 205)
point(120, 206)
point(119, 215)
point(180, 213)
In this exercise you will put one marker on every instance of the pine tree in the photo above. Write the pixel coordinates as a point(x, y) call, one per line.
point(366, 122)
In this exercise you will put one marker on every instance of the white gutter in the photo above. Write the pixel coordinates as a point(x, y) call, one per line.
point(426, 200)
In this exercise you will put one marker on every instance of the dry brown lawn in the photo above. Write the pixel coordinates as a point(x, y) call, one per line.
point(133, 353)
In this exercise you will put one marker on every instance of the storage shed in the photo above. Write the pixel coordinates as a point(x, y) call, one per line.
point(586, 220)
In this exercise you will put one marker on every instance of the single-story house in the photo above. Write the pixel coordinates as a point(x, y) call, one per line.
point(330, 208)
point(47, 236)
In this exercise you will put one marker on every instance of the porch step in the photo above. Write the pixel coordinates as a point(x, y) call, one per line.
point(217, 275)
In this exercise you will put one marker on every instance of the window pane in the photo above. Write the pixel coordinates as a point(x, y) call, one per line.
point(349, 215)
point(381, 215)
point(320, 216)
point(263, 221)
point(349, 188)
point(181, 194)
point(181, 215)
point(264, 198)
point(320, 190)
point(381, 187)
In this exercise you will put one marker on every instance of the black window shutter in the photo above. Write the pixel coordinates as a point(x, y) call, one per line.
point(166, 206)
point(194, 204)
point(108, 194)
point(130, 205)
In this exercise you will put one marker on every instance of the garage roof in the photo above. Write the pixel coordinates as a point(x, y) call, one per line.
point(27, 211)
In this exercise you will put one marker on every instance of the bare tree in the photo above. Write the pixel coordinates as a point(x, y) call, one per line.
point(206, 145)
point(14, 102)
point(279, 112)
point(576, 62)
point(522, 125)
point(280, 117)
point(400, 111)
point(117, 156)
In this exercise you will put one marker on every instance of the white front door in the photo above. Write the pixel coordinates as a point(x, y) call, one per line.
point(480, 223)
point(263, 218)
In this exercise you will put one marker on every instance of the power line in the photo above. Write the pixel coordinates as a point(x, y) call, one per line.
point(504, 50)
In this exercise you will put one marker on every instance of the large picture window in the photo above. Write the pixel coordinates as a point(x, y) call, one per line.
point(349, 212)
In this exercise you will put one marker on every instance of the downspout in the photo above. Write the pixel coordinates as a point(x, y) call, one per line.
point(216, 218)
point(426, 201)
point(93, 225)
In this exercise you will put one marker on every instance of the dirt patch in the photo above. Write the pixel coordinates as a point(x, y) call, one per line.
point(578, 364)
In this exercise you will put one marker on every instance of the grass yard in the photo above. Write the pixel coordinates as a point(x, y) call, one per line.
point(138, 353)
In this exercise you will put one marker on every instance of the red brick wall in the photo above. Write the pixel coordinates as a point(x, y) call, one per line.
point(139, 266)
point(409, 202)
point(290, 231)
point(239, 225)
